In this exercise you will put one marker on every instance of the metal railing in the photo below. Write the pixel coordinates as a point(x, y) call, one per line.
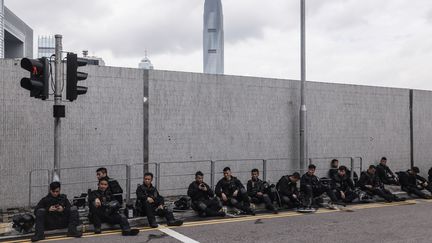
point(83, 178)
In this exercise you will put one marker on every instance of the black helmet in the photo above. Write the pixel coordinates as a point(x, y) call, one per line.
point(23, 223)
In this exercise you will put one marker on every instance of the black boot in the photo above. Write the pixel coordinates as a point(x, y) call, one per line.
point(38, 237)
point(73, 232)
point(130, 232)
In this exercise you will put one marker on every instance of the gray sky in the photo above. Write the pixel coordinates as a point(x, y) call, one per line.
point(370, 42)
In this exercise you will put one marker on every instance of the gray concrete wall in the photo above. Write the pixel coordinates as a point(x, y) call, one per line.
point(199, 117)
point(103, 127)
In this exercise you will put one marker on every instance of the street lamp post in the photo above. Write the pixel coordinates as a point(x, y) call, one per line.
point(303, 123)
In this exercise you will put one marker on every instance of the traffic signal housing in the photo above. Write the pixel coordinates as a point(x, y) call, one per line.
point(38, 83)
point(73, 76)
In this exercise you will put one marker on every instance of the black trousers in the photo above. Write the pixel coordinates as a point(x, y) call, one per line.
point(241, 201)
point(46, 220)
point(209, 207)
point(264, 198)
point(349, 196)
point(381, 192)
point(151, 211)
point(415, 191)
point(99, 215)
point(309, 193)
point(290, 201)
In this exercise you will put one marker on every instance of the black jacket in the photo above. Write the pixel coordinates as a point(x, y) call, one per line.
point(253, 187)
point(313, 181)
point(286, 187)
point(114, 186)
point(196, 194)
point(104, 196)
point(384, 172)
point(143, 192)
point(49, 201)
point(228, 187)
point(369, 179)
point(407, 179)
point(342, 183)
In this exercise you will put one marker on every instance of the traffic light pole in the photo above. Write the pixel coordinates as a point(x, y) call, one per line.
point(57, 103)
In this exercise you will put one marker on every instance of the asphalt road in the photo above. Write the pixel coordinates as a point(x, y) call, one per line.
point(378, 222)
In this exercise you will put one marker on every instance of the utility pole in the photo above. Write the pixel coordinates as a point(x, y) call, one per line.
point(58, 109)
point(303, 123)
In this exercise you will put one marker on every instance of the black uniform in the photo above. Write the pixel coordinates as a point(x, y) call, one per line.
point(204, 202)
point(334, 171)
point(145, 208)
point(115, 189)
point(107, 212)
point(46, 220)
point(373, 180)
point(228, 187)
point(311, 187)
point(288, 191)
point(343, 184)
point(386, 175)
point(409, 183)
point(253, 187)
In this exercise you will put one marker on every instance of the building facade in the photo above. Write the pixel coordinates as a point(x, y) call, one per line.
point(46, 46)
point(16, 37)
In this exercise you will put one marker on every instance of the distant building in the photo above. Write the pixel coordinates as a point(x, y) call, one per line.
point(46, 46)
point(92, 60)
point(213, 37)
point(16, 37)
point(145, 63)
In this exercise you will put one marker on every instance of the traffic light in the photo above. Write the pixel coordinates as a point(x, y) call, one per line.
point(38, 83)
point(73, 76)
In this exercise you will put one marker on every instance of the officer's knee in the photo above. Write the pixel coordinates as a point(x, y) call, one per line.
point(202, 206)
point(41, 211)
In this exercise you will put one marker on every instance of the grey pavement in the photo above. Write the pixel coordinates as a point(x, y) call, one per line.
point(383, 223)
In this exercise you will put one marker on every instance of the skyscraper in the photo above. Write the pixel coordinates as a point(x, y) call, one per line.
point(213, 37)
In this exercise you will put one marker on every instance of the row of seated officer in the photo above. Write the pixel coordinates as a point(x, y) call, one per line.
point(55, 211)
point(340, 188)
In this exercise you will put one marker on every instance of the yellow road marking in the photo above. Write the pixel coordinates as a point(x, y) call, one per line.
point(231, 220)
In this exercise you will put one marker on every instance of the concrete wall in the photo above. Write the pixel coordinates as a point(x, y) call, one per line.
point(103, 127)
point(199, 117)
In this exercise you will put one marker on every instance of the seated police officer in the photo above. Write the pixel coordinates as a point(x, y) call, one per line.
point(287, 189)
point(311, 187)
point(232, 192)
point(334, 167)
point(385, 174)
point(411, 182)
point(371, 183)
point(203, 198)
point(55, 212)
point(104, 208)
point(114, 186)
point(343, 186)
point(150, 203)
point(259, 191)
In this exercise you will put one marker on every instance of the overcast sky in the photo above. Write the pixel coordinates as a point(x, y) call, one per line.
point(370, 42)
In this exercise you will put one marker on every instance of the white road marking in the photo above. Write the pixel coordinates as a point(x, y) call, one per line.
point(178, 236)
